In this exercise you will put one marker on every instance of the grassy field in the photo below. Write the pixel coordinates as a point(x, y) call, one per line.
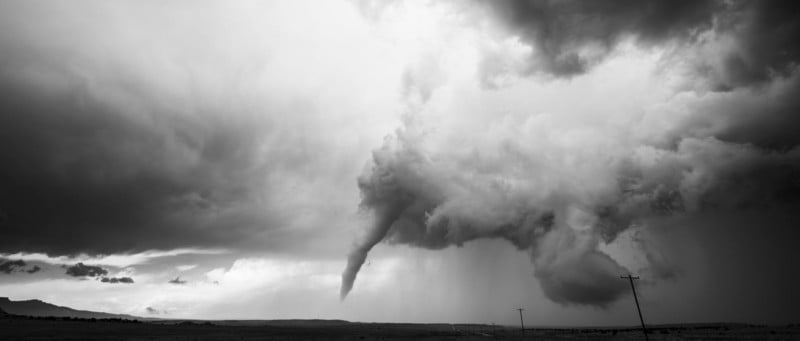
point(21, 328)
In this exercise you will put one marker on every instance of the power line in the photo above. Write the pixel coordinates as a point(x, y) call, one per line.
point(635, 299)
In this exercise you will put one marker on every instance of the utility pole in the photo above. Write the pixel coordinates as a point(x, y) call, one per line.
point(635, 299)
point(522, 324)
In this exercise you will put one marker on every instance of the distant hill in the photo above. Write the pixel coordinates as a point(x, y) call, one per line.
point(43, 309)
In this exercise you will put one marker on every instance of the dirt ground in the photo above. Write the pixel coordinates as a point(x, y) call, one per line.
point(20, 328)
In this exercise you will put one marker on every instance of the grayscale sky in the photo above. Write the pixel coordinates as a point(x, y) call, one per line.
point(405, 161)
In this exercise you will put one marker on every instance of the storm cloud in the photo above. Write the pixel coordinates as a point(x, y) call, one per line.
point(118, 151)
point(113, 280)
point(154, 311)
point(8, 266)
point(742, 41)
point(77, 162)
point(558, 212)
point(177, 281)
point(83, 270)
point(255, 147)
point(558, 186)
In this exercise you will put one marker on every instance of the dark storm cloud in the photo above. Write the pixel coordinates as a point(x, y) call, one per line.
point(775, 127)
point(119, 138)
point(559, 30)
point(112, 280)
point(177, 280)
point(759, 243)
point(83, 173)
point(570, 36)
point(154, 311)
point(78, 171)
point(763, 115)
point(9, 266)
point(83, 270)
point(768, 35)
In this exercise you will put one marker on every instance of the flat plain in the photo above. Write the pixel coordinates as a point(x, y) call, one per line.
point(27, 328)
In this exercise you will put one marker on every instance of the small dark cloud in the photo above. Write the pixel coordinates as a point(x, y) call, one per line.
point(154, 311)
point(177, 280)
point(126, 280)
point(82, 270)
point(9, 266)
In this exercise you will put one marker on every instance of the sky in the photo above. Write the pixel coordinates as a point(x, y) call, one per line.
point(403, 161)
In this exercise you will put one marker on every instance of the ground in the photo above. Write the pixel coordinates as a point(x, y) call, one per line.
point(21, 328)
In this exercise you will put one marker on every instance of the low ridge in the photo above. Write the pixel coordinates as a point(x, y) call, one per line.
point(40, 308)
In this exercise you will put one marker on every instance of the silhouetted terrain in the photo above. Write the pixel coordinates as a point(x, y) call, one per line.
point(25, 328)
point(69, 326)
point(39, 308)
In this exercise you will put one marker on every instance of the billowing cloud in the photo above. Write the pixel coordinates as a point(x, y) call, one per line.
point(557, 198)
point(561, 184)
point(83, 270)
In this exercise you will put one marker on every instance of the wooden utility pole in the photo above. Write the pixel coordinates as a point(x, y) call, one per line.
point(521, 324)
point(635, 299)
